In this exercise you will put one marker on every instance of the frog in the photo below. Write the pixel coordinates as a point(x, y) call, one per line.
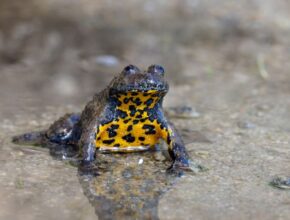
point(127, 116)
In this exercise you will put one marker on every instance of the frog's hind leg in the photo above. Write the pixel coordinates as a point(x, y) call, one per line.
point(65, 130)
point(176, 149)
point(62, 131)
point(62, 136)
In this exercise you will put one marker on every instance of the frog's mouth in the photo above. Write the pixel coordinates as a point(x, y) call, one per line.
point(142, 88)
point(140, 83)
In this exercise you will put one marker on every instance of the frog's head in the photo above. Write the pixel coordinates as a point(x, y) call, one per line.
point(134, 85)
point(132, 79)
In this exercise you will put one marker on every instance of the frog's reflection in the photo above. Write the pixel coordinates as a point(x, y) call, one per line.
point(128, 186)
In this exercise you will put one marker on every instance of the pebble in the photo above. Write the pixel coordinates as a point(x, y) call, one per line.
point(281, 182)
point(246, 125)
point(107, 60)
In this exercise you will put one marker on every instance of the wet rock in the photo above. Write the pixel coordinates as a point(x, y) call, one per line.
point(202, 153)
point(197, 168)
point(190, 136)
point(182, 112)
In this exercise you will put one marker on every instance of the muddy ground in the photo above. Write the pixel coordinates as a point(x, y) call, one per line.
point(228, 60)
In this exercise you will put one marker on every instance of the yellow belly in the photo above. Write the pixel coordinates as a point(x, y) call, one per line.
point(128, 136)
point(134, 131)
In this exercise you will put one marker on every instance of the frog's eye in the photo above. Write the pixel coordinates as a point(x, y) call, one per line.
point(156, 69)
point(130, 69)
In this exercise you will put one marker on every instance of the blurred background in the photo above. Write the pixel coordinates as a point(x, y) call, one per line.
point(227, 59)
point(62, 52)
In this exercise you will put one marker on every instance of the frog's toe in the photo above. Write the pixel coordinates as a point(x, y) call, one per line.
point(176, 171)
point(88, 169)
point(62, 152)
point(32, 138)
point(191, 167)
point(178, 168)
point(196, 167)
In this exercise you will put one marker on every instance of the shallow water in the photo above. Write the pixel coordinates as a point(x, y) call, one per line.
point(128, 186)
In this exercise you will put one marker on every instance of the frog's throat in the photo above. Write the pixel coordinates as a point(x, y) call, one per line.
point(136, 100)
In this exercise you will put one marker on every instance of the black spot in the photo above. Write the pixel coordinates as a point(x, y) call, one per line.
point(112, 92)
point(149, 102)
point(145, 94)
point(135, 122)
point(150, 132)
point(137, 101)
point(159, 121)
point(116, 145)
point(155, 95)
point(152, 118)
point(121, 114)
point(129, 138)
point(134, 93)
point(141, 111)
point(143, 119)
point(168, 140)
point(132, 109)
point(139, 116)
point(108, 141)
point(115, 126)
point(150, 129)
point(111, 133)
point(126, 100)
point(99, 138)
point(119, 103)
point(112, 130)
point(127, 120)
point(130, 127)
point(141, 138)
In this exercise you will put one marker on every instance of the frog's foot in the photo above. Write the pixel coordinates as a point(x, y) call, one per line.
point(178, 168)
point(88, 168)
point(32, 138)
point(196, 167)
point(281, 182)
point(62, 151)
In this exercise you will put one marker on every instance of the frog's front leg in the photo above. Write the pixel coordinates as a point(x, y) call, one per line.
point(176, 148)
point(88, 150)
